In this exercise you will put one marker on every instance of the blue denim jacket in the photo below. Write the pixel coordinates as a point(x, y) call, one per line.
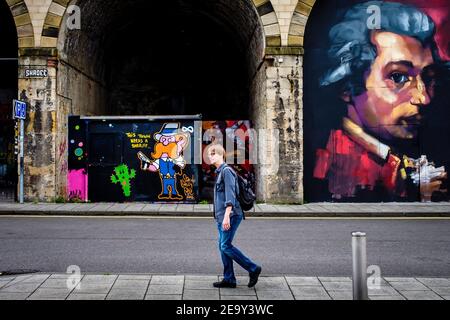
point(225, 193)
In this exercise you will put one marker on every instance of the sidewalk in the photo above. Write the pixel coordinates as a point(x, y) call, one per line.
point(199, 287)
point(260, 210)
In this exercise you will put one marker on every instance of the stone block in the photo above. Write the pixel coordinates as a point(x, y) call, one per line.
point(157, 289)
point(201, 294)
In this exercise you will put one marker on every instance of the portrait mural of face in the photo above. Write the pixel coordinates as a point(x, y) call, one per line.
point(377, 112)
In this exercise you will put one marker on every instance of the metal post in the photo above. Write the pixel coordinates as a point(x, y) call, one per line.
point(360, 291)
point(21, 155)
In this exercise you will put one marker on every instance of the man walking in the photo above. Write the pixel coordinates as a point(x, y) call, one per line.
point(229, 215)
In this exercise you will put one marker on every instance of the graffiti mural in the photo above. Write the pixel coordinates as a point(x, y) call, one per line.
point(126, 160)
point(377, 111)
point(123, 176)
point(167, 154)
point(241, 145)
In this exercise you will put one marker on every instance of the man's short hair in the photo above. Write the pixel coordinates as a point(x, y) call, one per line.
point(351, 51)
point(217, 149)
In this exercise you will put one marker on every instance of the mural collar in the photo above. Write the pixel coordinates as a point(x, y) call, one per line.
point(371, 144)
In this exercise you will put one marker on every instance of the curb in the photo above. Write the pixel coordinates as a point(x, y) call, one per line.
point(268, 214)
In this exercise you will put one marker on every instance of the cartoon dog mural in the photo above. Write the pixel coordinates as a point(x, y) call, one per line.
point(168, 153)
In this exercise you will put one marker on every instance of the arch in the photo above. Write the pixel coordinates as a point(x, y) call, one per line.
point(57, 9)
point(298, 22)
point(22, 19)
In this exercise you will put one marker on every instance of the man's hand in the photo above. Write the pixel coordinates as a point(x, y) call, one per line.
point(226, 224)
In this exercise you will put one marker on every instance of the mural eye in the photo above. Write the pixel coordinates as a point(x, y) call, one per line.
point(399, 78)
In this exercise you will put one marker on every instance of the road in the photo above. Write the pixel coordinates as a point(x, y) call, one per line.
point(305, 247)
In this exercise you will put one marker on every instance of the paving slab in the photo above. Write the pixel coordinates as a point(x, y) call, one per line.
point(435, 282)
point(383, 291)
point(131, 285)
point(202, 208)
point(59, 283)
point(62, 276)
point(442, 291)
point(195, 284)
point(335, 279)
point(94, 288)
point(185, 208)
point(165, 289)
point(168, 208)
point(408, 286)
point(87, 296)
point(167, 280)
point(134, 208)
point(275, 295)
point(36, 278)
point(49, 294)
point(163, 297)
point(100, 278)
point(238, 291)
point(397, 297)
point(102, 207)
point(152, 208)
point(341, 295)
point(4, 283)
point(20, 288)
point(238, 298)
point(398, 279)
point(118, 207)
point(211, 279)
point(275, 286)
point(420, 295)
point(134, 277)
point(14, 296)
point(337, 286)
point(303, 281)
point(116, 294)
point(201, 294)
point(310, 293)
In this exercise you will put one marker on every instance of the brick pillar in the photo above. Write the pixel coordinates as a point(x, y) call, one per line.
point(40, 126)
point(283, 111)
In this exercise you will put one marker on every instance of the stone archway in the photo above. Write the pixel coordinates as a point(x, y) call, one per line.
point(191, 55)
point(25, 31)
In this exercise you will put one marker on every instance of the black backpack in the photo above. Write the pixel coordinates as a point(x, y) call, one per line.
point(246, 196)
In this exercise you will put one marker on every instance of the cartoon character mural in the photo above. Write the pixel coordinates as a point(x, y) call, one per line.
point(167, 155)
point(378, 107)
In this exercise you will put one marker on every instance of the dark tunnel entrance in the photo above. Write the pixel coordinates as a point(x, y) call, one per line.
point(164, 58)
point(8, 92)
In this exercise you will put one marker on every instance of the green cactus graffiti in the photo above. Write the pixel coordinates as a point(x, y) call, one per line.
point(123, 176)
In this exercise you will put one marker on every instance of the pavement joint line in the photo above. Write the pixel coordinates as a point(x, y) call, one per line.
point(110, 289)
point(321, 283)
point(429, 288)
point(37, 287)
point(289, 286)
point(148, 286)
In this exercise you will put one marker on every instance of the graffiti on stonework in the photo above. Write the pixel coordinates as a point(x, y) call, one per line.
point(377, 105)
point(188, 187)
point(127, 160)
point(236, 138)
point(77, 185)
point(123, 175)
point(166, 156)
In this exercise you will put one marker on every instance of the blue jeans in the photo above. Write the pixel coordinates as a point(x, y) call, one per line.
point(230, 253)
